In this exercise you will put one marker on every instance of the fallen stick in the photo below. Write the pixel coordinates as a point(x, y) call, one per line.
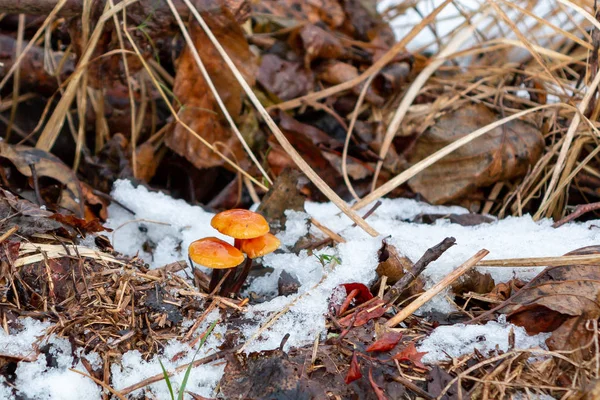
point(430, 256)
point(437, 288)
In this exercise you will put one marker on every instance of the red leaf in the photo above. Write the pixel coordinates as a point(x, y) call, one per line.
point(374, 310)
point(378, 391)
point(387, 342)
point(410, 353)
point(364, 292)
point(354, 371)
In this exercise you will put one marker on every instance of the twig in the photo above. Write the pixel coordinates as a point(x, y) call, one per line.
point(430, 256)
point(411, 386)
point(437, 288)
point(579, 211)
point(8, 233)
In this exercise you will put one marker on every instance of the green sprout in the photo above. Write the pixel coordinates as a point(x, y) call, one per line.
point(187, 371)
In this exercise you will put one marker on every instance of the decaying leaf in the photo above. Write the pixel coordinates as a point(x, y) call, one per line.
point(199, 109)
point(501, 154)
point(45, 164)
point(559, 300)
point(285, 79)
point(392, 263)
point(378, 391)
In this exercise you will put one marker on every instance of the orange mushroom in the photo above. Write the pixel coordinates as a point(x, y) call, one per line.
point(258, 247)
point(240, 224)
point(254, 248)
point(216, 254)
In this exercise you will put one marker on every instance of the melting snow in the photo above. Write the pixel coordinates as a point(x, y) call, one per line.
point(169, 226)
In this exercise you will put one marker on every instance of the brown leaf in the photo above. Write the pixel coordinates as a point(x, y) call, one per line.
point(501, 154)
point(473, 281)
point(199, 109)
point(386, 342)
point(145, 161)
point(392, 263)
point(95, 206)
point(559, 300)
point(354, 370)
point(319, 43)
point(410, 353)
point(81, 225)
point(283, 195)
point(285, 79)
point(48, 165)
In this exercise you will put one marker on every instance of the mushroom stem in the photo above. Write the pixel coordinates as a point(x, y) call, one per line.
point(215, 278)
point(239, 281)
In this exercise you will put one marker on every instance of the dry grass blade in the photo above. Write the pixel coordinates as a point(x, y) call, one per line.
point(542, 261)
point(421, 165)
point(562, 156)
point(287, 146)
point(416, 86)
point(57, 251)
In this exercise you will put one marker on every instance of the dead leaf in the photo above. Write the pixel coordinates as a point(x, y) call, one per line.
point(559, 300)
point(354, 370)
point(386, 342)
point(48, 165)
point(392, 263)
point(199, 109)
point(319, 43)
point(285, 79)
point(501, 154)
point(82, 225)
point(410, 353)
point(146, 162)
point(282, 195)
point(364, 293)
point(473, 281)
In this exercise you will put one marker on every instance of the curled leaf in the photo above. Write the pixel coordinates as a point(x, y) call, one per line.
point(354, 371)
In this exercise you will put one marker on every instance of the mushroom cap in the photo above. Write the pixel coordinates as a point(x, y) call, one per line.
point(215, 253)
point(240, 224)
point(260, 246)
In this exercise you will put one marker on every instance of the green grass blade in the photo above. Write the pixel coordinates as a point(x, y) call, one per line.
point(189, 368)
point(167, 380)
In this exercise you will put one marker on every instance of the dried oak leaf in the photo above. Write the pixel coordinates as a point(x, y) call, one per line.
point(48, 165)
point(559, 300)
point(199, 109)
point(410, 353)
point(501, 154)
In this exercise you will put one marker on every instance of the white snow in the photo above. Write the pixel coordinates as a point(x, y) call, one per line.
point(170, 225)
point(453, 341)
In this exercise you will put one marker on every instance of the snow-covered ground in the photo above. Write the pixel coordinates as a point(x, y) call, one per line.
point(173, 224)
